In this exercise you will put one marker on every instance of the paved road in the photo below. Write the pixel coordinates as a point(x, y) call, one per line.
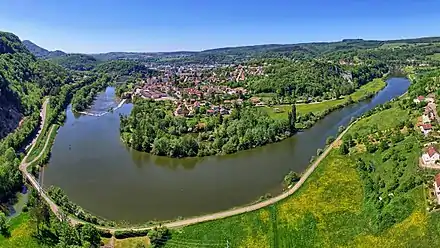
point(215, 216)
point(24, 165)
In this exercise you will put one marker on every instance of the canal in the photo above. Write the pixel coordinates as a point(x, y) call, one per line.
point(99, 173)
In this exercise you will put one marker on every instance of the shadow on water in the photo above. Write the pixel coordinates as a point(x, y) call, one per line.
point(101, 174)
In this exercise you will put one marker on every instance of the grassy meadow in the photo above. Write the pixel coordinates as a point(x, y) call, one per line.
point(316, 108)
point(21, 233)
point(332, 209)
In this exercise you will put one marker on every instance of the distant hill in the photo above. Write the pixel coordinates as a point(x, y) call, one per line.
point(76, 61)
point(41, 52)
point(228, 55)
point(141, 56)
point(241, 54)
point(123, 68)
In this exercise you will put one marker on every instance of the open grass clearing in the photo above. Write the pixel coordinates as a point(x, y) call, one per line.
point(280, 111)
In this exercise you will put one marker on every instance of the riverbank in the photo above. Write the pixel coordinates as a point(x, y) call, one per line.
point(87, 140)
point(179, 239)
point(151, 127)
point(333, 207)
point(215, 216)
point(321, 109)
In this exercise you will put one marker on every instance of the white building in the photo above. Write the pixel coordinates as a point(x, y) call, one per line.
point(437, 187)
point(431, 156)
point(426, 128)
point(425, 119)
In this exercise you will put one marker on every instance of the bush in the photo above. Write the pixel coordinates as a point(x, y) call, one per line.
point(329, 140)
point(343, 150)
point(291, 178)
point(105, 233)
point(319, 151)
point(341, 129)
point(130, 234)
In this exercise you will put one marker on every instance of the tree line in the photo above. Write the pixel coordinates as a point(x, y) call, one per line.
point(150, 128)
point(312, 78)
point(84, 97)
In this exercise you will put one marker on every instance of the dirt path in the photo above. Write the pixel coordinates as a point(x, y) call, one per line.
point(241, 210)
point(180, 223)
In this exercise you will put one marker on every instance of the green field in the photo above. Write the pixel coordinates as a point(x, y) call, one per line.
point(435, 56)
point(387, 119)
point(41, 139)
point(128, 243)
point(21, 234)
point(372, 87)
point(395, 45)
point(331, 209)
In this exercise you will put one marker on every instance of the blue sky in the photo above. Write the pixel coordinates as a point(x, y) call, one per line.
point(92, 26)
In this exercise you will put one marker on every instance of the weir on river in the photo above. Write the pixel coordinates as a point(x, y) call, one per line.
point(102, 175)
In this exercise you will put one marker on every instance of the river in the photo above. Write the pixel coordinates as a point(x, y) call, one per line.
point(99, 173)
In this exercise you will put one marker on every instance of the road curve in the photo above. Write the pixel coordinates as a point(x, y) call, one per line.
point(175, 224)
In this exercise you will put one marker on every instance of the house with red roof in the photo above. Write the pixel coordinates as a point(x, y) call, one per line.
point(437, 187)
point(426, 128)
point(431, 156)
point(419, 99)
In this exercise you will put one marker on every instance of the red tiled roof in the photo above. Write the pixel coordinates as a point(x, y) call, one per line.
point(431, 151)
point(437, 179)
point(427, 126)
point(421, 98)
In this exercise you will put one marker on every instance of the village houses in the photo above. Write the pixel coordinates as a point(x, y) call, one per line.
point(431, 156)
point(425, 128)
point(420, 99)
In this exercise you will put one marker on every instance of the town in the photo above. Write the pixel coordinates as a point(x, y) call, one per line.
point(430, 158)
point(201, 90)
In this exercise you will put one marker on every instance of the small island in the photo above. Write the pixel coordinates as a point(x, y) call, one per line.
point(211, 111)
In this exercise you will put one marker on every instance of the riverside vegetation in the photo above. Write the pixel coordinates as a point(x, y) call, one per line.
point(151, 126)
point(369, 191)
point(24, 81)
point(332, 208)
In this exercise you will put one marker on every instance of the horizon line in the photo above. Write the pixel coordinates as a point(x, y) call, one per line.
point(238, 46)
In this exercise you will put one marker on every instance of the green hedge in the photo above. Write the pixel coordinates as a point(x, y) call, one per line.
point(130, 234)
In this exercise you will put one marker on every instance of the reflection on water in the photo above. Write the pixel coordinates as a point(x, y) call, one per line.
point(109, 179)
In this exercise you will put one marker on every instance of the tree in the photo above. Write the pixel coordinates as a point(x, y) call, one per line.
point(4, 226)
point(319, 151)
point(90, 234)
point(383, 145)
point(341, 129)
point(291, 178)
point(159, 236)
point(344, 148)
point(292, 118)
point(329, 140)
